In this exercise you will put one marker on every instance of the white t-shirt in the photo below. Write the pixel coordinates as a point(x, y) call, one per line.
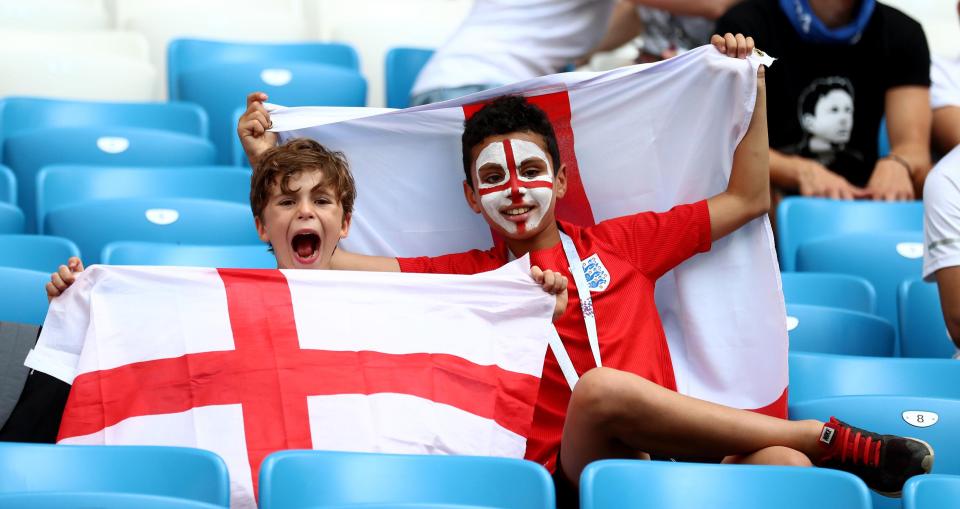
point(941, 215)
point(945, 82)
point(506, 41)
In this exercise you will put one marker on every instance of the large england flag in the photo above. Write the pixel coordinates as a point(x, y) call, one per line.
point(638, 138)
point(247, 362)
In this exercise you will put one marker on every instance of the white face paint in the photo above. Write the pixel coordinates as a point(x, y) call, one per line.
point(514, 196)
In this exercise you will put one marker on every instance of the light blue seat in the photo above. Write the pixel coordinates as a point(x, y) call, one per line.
point(179, 472)
point(830, 290)
point(149, 253)
point(883, 258)
point(302, 479)
point(896, 415)
point(803, 219)
point(23, 298)
point(93, 225)
point(624, 484)
point(8, 186)
point(35, 252)
point(814, 375)
point(11, 219)
point(932, 491)
point(28, 152)
point(402, 65)
point(923, 333)
point(66, 499)
point(64, 185)
point(839, 331)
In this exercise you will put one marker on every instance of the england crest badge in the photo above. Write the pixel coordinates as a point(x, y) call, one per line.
point(598, 278)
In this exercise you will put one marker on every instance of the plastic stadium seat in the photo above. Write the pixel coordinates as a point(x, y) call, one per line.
point(931, 491)
point(93, 225)
point(814, 375)
point(11, 219)
point(301, 479)
point(932, 420)
point(23, 300)
point(71, 75)
point(54, 15)
point(923, 332)
point(63, 185)
point(61, 499)
point(883, 258)
point(402, 67)
point(179, 472)
point(623, 484)
point(8, 186)
point(29, 151)
point(149, 253)
point(35, 252)
point(803, 219)
point(831, 290)
point(839, 331)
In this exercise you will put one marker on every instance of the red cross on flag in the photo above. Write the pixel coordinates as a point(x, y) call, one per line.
point(248, 362)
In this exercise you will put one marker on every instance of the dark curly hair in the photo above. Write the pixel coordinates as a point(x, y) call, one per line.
point(507, 114)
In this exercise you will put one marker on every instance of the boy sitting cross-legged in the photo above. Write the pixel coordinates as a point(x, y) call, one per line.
point(629, 408)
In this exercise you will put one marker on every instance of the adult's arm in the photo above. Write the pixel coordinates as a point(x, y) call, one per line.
point(908, 126)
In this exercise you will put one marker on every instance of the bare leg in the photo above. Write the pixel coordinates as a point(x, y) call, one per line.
point(775, 455)
point(615, 414)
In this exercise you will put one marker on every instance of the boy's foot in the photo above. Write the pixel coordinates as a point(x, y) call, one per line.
point(884, 462)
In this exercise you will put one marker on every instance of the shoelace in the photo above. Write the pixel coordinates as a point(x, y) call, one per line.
point(856, 444)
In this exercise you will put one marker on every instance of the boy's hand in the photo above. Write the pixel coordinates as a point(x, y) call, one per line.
point(64, 277)
point(252, 128)
point(553, 283)
point(736, 46)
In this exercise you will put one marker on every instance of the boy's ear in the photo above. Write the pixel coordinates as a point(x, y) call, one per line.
point(560, 182)
point(345, 225)
point(471, 197)
point(261, 230)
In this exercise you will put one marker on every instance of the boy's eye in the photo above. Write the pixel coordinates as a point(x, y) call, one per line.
point(492, 178)
point(285, 202)
point(531, 172)
point(322, 201)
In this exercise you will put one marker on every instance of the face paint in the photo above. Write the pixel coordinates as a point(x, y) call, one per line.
point(517, 203)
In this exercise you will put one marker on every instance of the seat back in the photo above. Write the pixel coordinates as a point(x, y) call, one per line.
point(402, 65)
point(149, 253)
point(61, 499)
point(35, 252)
point(814, 375)
point(180, 472)
point(301, 479)
point(829, 290)
point(11, 219)
point(923, 333)
point(838, 331)
point(93, 225)
point(623, 484)
point(802, 219)
point(8, 186)
point(931, 491)
point(23, 299)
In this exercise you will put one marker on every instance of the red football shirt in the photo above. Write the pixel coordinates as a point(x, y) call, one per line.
point(633, 252)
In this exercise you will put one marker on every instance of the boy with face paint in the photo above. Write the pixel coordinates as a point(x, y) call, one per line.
point(629, 407)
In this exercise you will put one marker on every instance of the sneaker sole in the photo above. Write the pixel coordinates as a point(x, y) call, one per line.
point(926, 464)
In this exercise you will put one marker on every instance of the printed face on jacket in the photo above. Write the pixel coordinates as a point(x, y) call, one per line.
point(826, 113)
point(514, 180)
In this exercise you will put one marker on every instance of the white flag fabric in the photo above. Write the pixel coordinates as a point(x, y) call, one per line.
point(638, 138)
point(246, 362)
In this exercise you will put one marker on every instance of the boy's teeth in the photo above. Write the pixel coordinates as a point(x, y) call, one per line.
point(517, 212)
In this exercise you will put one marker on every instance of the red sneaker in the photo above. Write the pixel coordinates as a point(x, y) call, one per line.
point(884, 462)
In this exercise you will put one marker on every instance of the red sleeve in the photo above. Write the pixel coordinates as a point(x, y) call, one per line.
point(470, 262)
point(655, 242)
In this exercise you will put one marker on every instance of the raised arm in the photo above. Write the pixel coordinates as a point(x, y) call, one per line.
point(345, 260)
point(252, 128)
point(748, 191)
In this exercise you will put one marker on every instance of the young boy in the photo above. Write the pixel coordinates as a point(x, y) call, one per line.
point(513, 177)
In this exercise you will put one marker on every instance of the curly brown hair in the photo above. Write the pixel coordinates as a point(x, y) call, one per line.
point(281, 163)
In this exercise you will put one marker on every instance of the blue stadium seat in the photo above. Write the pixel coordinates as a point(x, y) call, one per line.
point(814, 375)
point(93, 225)
point(830, 290)
point(8, 186)
point(624, 484)
point(218, 76)
point(883, 258)
point(932, 491)
point(62, 499)
point(803, 219)
point(11, 219)
point(35, 252)
point(149, 253)
point(932, 420)
point(302, 479)
point(883, 139)
point(179, 472)
point(839, 331)
point(28, 152)
point(23, 299)
point(63, 185)
point(923, 333)
point(402, 65)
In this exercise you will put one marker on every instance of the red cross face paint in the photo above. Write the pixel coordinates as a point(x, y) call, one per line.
point(515, 183)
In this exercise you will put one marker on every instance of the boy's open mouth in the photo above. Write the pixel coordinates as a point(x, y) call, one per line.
point(517, 214)
point(306, 247)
